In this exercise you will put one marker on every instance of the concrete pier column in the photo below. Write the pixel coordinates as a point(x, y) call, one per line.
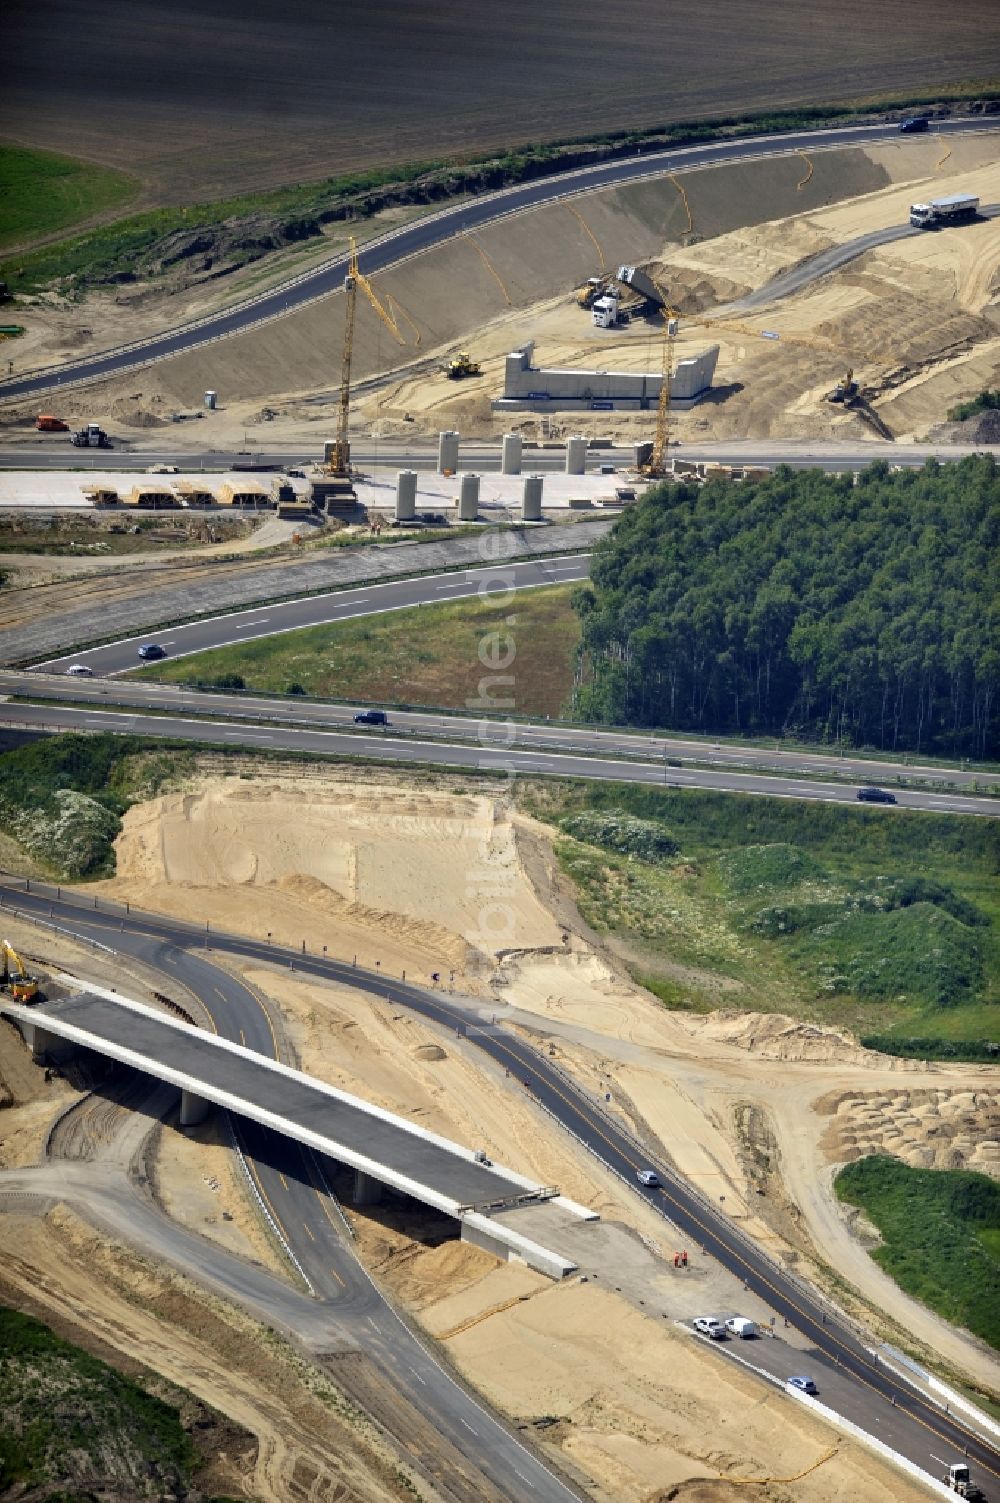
point(468, 499)
point(406, 495)
point(531, 500)
point(510, 454)
point(448, 451)
point(367, 1191)
point(576, 456)
point(194, 1109)
point(43, 1044)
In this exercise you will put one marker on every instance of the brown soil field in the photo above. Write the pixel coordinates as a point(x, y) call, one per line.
point(204, 103)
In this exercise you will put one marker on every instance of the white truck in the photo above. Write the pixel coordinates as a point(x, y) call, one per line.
point(957, 208)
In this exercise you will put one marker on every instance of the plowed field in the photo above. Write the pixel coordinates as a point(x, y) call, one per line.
point(207, 101)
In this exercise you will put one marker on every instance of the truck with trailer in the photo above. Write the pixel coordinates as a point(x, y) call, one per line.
point(957, 208)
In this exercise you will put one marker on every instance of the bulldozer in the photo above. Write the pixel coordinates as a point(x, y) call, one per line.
point(14, 977)
point(461, 366)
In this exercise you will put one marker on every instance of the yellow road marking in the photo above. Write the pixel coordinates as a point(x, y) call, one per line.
point(308, 1232)
point(684, 200)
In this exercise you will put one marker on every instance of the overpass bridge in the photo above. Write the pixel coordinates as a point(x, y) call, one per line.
point(383, 1149)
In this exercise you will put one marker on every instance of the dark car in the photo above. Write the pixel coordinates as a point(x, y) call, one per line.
point(151, 650)
point(913, 123)
point(876, 796)
point(371, 717)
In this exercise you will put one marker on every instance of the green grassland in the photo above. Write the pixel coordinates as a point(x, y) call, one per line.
point(886, 924)
point(71, 1423)
point(941, 1236)
point(429, 655)
point(42, 192)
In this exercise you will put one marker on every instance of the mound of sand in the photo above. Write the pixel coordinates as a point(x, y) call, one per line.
point(356, 867)
point(928, 1129)
point(776, 1036)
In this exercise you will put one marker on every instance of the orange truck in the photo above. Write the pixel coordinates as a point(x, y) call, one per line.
point(46, 423)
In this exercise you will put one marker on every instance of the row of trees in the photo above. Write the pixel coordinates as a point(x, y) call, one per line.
point(865, 609)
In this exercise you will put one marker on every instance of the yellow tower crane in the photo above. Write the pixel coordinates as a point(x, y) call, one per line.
point(656, 465)
point(340, 458)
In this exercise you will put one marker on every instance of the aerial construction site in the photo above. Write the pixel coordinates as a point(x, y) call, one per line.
point(437, 1058)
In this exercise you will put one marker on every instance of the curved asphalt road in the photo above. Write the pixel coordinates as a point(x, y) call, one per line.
point(460, 218)
point(889, 1407)
point(479, 1460)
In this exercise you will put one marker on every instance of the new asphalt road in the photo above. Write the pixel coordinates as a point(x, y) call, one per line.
point(436, 228)
point(469, 1454)
point(847, 1372)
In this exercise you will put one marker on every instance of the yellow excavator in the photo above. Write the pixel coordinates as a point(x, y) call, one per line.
point(22, 986)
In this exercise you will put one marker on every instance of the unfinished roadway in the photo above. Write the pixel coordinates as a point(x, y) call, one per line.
point(383, 1149)
point(879, 1400)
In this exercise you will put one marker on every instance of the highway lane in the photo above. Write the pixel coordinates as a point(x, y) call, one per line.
point(646, 746)
point(507, 761)
point(420, 236)
point(274, 618)
point(289, 1181)
point(848, 1373)
point(800, 454)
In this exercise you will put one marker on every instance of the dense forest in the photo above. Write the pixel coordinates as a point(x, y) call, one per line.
point(865, 610)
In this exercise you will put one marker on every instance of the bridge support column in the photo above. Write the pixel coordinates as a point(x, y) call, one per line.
point(194, 1109)
point(367, 1191)
point(45, 1046)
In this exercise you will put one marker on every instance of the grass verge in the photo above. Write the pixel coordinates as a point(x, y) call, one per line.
point(147, 245)
point(941, 1236)
point(42, 192)
point(62, 797)
point(71, 1421)
point(823, 912)
point(431, 655)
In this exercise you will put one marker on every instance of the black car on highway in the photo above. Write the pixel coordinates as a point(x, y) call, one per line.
point(371, 717)
point(150, 650)
point(876, 796)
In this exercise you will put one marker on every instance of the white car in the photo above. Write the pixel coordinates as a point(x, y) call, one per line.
point(647, 1177)
point(80, 670)
point(709, 1326)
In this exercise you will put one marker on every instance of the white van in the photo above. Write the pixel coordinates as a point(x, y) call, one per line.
point(738, 1325)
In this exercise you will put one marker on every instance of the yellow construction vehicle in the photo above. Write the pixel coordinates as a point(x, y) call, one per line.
point(845, 391)
point(656, 465)
point(340, 457)
point(22, 986)
point(463, 365)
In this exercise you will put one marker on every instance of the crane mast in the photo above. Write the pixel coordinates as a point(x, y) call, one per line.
point(340, 458)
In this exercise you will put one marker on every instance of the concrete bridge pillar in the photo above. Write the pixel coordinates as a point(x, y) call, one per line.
point(194, 1109)
point(45, 1046)
point(367, 1191)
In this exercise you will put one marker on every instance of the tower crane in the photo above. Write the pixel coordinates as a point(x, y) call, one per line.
point(655, 466)
point(340, 458)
